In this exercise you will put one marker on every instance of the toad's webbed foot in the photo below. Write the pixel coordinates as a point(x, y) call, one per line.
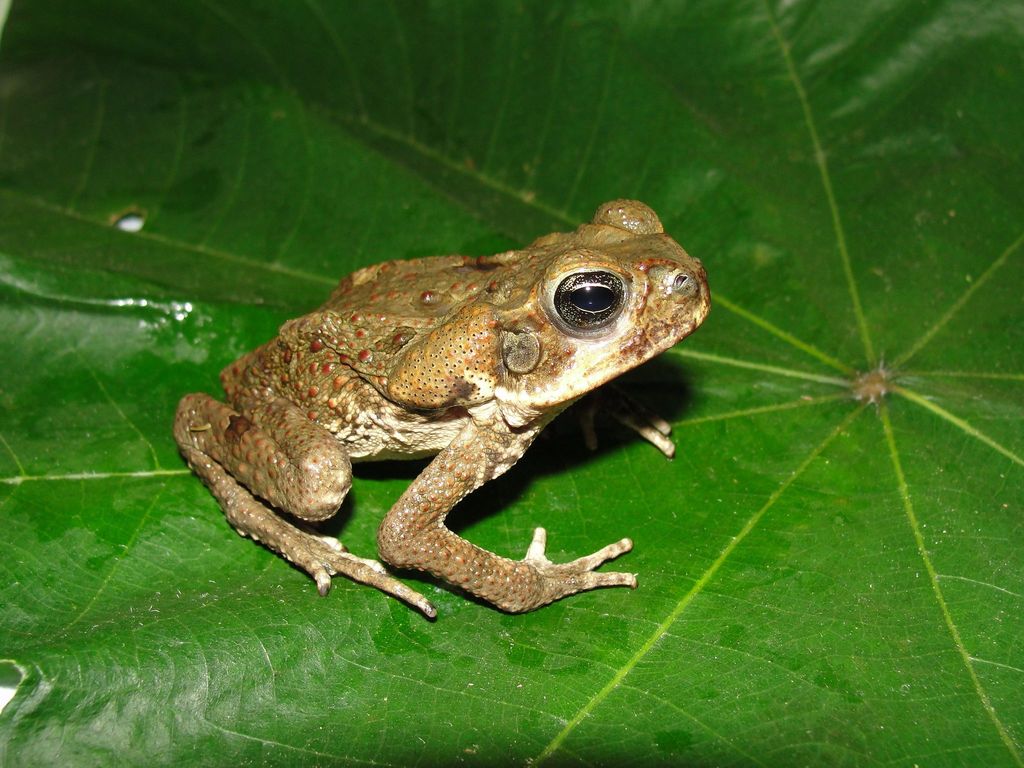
point(324, 556)
point(562, 579)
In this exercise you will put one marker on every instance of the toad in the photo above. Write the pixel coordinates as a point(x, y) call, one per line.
point(465, 359)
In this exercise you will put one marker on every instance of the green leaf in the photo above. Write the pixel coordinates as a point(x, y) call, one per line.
point(822, 581)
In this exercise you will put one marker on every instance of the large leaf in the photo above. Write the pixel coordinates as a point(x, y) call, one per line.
point(822, 580)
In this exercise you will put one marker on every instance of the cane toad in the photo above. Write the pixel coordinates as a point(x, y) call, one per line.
point(463, 358)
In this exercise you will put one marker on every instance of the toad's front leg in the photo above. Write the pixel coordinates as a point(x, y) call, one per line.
point(413, 534)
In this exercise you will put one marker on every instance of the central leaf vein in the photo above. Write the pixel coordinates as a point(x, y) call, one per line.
point(663, 628)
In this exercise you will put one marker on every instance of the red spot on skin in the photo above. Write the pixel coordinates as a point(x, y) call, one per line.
point(326, 367)
point(455, 286)
point(313, 391)
point(312, 367)
point(332, 403)
point(356, 318)
point(374, 297)
point(284, 378)
point(287, 354)
point(428, 297)
point(312, 415)
point(316, 345)
point(360, 333)
point(399, 339)
point(365, 355)
point(394, 294)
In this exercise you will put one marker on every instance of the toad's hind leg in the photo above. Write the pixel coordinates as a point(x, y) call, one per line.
point(273, 452)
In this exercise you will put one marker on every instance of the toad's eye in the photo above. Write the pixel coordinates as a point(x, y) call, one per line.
point(589, 300)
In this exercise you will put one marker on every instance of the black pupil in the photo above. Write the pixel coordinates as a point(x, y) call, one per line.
point(589, 300)
point(593, 298)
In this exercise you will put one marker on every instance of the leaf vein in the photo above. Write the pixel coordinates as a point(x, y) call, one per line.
point(669, 704)
point(455, 95)
point(17, 462)
point(94, 138)
point(179, 154)
point(994, 375)
point(307, 177)
point(761, 409)
point(933, 577)
point(7, 92)
point(118, 559)
point(120, 412)
point(821, 161)
point(410, 86)
point(997, 664)
point(74, 476)
point(553, 80)
point(785, 336)
point(236, 181)
point(171, 242)
point(303, 750)
point(979, 583)
point(316, 9)
point(660, 631)
point(956, 421)
point(764, 367)
point(499, 114)
point(957, 305)
point(253, 42)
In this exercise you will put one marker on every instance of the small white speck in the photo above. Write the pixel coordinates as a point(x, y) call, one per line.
point(130, 222)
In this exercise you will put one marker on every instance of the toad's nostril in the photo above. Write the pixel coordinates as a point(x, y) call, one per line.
point(685, 285)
